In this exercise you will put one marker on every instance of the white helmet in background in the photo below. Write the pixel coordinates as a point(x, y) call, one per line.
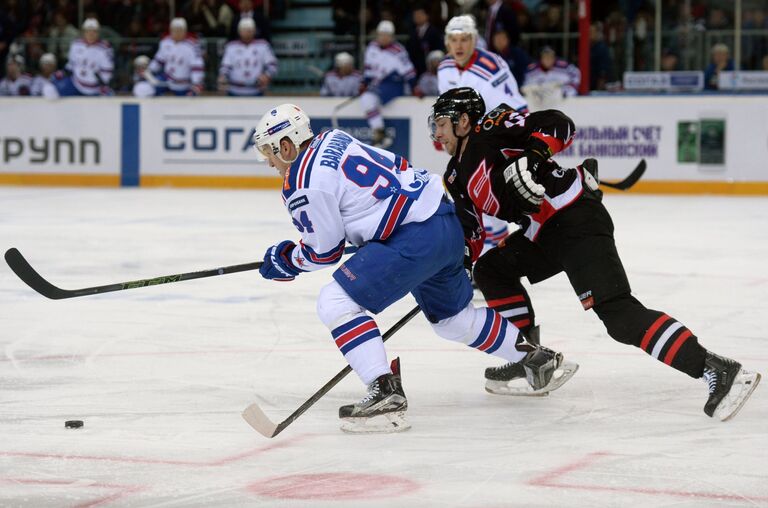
point(285, 120)
point(464, 24)
point(343, 58)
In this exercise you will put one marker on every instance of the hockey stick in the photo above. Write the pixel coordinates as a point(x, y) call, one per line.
point(339, 107)
point(630, 180)
point(256, 418)
point(25, 272)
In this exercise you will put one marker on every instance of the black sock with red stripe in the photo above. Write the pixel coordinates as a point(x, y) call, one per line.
point(661, 336)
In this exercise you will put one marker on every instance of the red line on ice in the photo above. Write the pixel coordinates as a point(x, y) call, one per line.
point(553, 477)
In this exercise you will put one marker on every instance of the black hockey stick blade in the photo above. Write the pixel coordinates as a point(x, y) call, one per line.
point(630, 180)
point(26, 273)
point(256, 418)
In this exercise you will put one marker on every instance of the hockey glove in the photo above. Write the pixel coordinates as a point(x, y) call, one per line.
point(277, 262)
point(526, 191)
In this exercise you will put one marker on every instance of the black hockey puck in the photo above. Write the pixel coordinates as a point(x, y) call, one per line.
point(73, 424)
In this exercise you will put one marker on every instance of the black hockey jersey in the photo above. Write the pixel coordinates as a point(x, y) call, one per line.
point(475, 179)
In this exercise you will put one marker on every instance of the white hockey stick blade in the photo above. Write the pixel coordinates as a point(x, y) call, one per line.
point(523, 389)
point(743, 386)
point(256, 418)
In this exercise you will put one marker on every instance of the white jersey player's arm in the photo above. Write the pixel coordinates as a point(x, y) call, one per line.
point(368, 69)
point(406, 70)
point(316, 215)
point(197, 66)
point(270, 61)
point(226, 63)
point(107, 65)
point(574, 80)
point(442, 81)
point(158, 62)
point(502, 89)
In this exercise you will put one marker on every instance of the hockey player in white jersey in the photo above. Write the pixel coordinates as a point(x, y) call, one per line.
point(15, 82)
point(43, 84)
point(387, 69)
point(344, 80)
point(550, 80)
point(180, 60)
point(338, 190)
point(490, 76)
point(248, 65)
point(90, 64)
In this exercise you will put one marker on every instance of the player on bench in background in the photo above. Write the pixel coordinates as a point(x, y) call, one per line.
point(338, 190)
point(501, 166)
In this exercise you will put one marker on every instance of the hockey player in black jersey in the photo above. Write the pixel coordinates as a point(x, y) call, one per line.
point(501, 165)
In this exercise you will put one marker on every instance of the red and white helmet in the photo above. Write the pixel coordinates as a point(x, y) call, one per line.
point(285, 120)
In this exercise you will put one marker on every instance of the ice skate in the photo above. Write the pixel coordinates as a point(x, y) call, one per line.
point(729, 386)
point(540, 372)
point(382, 410)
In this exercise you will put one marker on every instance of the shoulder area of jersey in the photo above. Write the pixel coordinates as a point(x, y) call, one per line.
point(494, 118)
point(561, 63)
point(447, 63)
point(299, 175)
point(488, 61)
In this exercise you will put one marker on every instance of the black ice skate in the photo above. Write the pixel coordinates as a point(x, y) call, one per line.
point(729, 386)
point(382, 409)
point(542, 369)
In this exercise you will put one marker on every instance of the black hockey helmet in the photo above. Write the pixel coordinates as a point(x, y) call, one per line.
point(453, 104)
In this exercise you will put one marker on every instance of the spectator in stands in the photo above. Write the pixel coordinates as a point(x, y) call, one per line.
point(7, 33)
point(247, 10)
point(669, 61)
point(500, 16)
point(61, 35)
point(90, 63)
point(15, 83)
point(514, 55)
point(248, 65)
point(344, 80)
point(721, 61)
point(43, 84)
point(180, 60)
point(424, 38)
point(554, 73)
point(209, 17)
point(427, 83)
point(601, 63)
point(764, 66)
point(387, 70)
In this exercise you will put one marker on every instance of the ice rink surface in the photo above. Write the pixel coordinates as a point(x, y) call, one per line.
point(161, 374)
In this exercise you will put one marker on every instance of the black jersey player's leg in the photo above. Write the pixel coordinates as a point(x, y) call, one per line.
point(588, 253)
point(499, 272)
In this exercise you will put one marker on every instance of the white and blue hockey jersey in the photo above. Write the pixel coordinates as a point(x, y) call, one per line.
point(91, 65)
point(341, 190)
point(336, 85)
point(387, 63)
point(563, 74)
point(488, 74)
point(182, 63)
point(244, 63)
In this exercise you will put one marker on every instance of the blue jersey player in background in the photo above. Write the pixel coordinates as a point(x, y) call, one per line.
point(339, 190)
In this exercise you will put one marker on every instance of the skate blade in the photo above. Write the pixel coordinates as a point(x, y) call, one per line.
point(386, 423)
point(743, 386)
point(561, 376)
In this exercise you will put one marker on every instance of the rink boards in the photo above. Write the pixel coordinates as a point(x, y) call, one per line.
point(701, 144)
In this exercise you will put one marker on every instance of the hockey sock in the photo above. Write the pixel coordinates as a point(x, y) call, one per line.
point(669, 341)
point(483, 329)
point(359, 340)
point(661, 336)
point(515, 309)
